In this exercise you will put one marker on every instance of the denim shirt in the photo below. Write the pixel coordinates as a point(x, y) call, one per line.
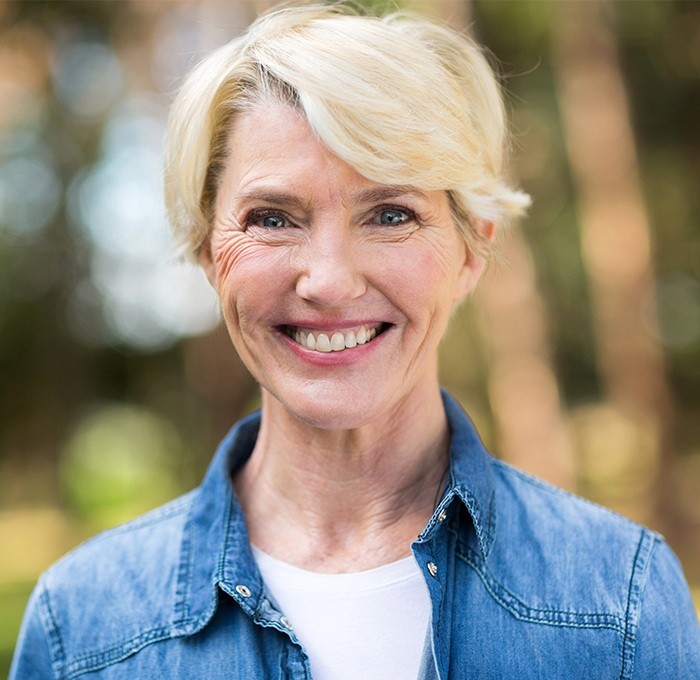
point(526, 581)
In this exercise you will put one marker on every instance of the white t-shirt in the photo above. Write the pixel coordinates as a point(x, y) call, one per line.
point(369, 624)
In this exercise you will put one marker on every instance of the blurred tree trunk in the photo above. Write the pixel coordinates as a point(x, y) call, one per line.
point(614, 226)
point(522, 385)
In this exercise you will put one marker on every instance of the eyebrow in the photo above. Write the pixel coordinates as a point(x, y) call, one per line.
point(272, 196)
point(371, 195)
point(387, 192)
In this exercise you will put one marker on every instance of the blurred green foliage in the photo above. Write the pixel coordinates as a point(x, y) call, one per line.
point(117, 464)
point(13, 600)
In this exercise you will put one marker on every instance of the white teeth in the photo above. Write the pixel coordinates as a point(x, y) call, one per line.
point(337, 342)
point(323, 344)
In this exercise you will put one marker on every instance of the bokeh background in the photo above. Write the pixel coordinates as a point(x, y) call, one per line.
point(578, 357)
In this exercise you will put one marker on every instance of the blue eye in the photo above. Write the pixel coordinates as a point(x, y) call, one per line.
point(273, 221)
point(392, 217)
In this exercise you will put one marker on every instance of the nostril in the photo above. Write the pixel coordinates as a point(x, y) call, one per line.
point(330, 284)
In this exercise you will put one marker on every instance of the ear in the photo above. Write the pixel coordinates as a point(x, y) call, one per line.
point(474, 260)
point(206, 261)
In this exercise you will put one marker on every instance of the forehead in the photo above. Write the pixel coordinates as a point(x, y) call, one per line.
point(273, 148)
point(261, 128)
point(275, 142)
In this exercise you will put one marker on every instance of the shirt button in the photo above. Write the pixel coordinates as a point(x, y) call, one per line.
point(285, 622)
point(432, 568)
point(442, 516)
point(242, 590)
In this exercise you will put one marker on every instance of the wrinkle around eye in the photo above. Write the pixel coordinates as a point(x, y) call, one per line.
point(440, 251)
point(392, 233)
point(230, 249)
point(236, 248)
point(228, 222)
point(272, 236)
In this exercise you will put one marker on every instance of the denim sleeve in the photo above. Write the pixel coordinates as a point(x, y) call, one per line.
point(668, 635)
point(32, 659)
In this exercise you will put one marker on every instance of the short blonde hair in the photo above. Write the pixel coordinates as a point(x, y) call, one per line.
point(401, 99)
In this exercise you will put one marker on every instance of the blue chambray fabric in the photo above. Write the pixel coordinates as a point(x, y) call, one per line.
point(530, 582)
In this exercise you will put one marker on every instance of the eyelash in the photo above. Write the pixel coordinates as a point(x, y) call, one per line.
point(257, 215)
point(410, 215)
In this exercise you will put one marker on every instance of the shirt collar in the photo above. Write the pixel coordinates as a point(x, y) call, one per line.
point(215, 550)
point(216, 554)
point(471, 475)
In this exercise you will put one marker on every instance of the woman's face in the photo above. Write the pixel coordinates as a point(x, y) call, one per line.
point(335, 289)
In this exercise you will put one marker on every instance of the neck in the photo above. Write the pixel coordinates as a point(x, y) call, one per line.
point(345, 500)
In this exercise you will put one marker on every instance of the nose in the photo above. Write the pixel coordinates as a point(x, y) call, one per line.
point(330, 273)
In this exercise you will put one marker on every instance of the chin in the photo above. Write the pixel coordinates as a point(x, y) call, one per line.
point(340, 412)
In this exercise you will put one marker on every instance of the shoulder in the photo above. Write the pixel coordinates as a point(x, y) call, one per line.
point(118, 586)
point(560, 560)
point(559, 518)
point(554, 553)
point(575, 554)
point(149, 542)
point(667, 634)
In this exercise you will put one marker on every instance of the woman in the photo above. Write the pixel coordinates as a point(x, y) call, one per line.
point(340, 180)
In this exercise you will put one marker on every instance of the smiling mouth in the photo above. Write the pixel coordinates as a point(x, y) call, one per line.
point(334, 341)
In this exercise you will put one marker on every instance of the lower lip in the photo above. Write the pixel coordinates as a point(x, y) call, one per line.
point(342, 358)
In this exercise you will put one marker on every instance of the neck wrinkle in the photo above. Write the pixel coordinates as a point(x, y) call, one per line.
point(326, 498)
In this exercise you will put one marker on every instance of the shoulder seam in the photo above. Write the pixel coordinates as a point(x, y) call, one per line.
point(638, 577)
point(51, 631)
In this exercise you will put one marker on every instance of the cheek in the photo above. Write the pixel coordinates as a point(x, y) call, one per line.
point(420, 278)
point(230, 252)
point(251, 279)
point(413, 284)
point(243, 264)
